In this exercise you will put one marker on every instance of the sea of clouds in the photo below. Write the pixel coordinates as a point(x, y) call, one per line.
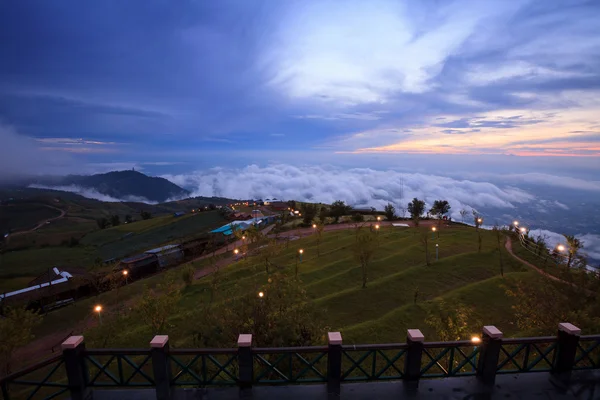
point(93, 193)
point(366, 187)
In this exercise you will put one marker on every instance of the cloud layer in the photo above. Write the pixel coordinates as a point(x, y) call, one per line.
point(93, 194)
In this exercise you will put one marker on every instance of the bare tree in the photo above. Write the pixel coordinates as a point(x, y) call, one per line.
point(364, 250)
point(499, 236)
point(425, 241)
point(463, 214)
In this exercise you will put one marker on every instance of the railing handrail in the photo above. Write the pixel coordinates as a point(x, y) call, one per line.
point(31, 368)
point(116, 352)
point(279, 350)
point(183, 352)
point(589, 337)
point(386, 346)
point(540, 339)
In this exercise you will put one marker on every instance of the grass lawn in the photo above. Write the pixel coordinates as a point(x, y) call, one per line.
point(380, 313)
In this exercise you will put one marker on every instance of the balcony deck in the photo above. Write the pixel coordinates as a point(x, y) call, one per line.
point(583, 385)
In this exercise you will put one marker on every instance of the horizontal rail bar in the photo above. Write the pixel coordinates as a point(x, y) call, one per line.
point(193, 352)
point(117, 352)
point(443, 345)
point(31, 368)
point(277, 350)
point(387, 346)
point(541, 339)
point(589, 337)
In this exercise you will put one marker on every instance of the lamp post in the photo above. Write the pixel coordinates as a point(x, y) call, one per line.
point(300, 252)
point(298, 257)
point(560, 248)
point(236, 252)
point(377, 229)
point(98, 309)
point(126, 275)
point(433, 232)
point(261, 294)
point(523, 231)
point(437, 252)
point(378, 218)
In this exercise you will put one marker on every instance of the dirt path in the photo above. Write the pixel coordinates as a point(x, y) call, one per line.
point(44, 222)
point(508, 245)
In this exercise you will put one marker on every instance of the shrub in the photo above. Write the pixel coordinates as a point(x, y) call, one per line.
point(187, 274)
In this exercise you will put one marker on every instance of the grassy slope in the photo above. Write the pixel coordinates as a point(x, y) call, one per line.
point(382, 312)
point(19, 267)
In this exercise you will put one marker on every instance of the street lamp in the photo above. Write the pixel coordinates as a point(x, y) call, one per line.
point(479, 221)
point(378, 218)
point(315, 226)
point(98, 309)
point(516, 223)
point(433, 232)
point(125, 274)
point(236, 252)
point(301, 251)
point(560, 247)
point(437, 252)
point(523, 230)
point(261, 294)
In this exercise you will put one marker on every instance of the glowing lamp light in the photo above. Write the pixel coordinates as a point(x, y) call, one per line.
point(261, 294)
point(516, 223)
point(475, 340)
point(314, 225)
point(125, 272)
point(560, 247)
point(433, 229)
point(376, 226)
point(523, 230)
point(301, 251)
point(378, 218)
point(243, 237)
point(479, 220)
point(236, 251)
point(98, 308)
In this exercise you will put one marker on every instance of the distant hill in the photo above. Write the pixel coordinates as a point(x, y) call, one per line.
point(123, 185)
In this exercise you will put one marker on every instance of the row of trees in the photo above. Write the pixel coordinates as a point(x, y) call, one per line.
point(115, 220)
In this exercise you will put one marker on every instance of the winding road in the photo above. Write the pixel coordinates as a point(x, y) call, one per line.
point(44, 222)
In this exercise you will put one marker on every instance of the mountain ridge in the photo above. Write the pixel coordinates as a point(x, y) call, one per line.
point(122, 184)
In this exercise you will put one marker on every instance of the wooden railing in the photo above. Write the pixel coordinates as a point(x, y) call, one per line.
point(78, 371)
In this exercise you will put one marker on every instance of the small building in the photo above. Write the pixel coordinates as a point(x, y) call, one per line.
point(178, 214)
point(140, 264)
point(167, 255)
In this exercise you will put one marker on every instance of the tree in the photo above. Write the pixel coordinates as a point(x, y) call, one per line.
point(128, 219)
point(463, 214)
point(357, 217)
point(323, 214)
point(145, 215)
point(187, 274)
point(574, 245)
point(450, 322)
point(102, 223)
point(309, 212)
point(157, 304)
point(339, 209)
point(320, 226)
point(364, 250)
point(212, 207)
point(16, 330)
point(269, 251)
point(390, 212)
point(115, 220)
point(416, 208)
point(284, 316)
point(539, 308)
point(499, 237)
point(440, 208)
point(425, 241)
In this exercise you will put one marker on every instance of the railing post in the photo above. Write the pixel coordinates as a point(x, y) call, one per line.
point(161, 366)
point(77, 373)
point(568, 339)
point(489, 353)
point(412, 361)
point(334, 361)
point(245, 361)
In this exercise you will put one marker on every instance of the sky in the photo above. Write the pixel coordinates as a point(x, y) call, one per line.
point(493, 104)
point(196, 84)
